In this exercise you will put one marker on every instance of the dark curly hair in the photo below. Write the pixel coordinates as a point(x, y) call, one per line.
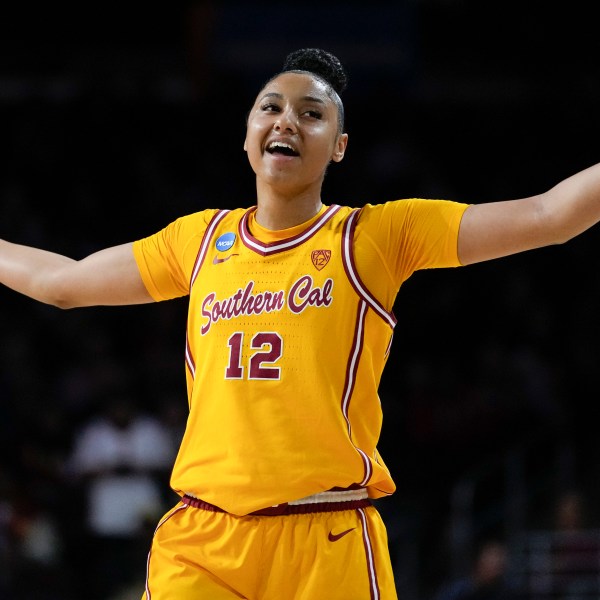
point(321, 63)
point(324, 66)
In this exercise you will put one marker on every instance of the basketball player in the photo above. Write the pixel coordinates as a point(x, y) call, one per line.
point(289, 329)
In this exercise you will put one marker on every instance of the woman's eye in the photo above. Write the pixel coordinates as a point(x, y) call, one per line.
point(315, 114)
point(269, 107)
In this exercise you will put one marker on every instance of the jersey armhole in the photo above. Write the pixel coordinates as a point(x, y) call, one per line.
point(349, 262)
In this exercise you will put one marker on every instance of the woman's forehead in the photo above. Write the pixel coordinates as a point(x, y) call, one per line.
point(295, 84)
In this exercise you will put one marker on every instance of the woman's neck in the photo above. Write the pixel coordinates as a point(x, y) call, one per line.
point(279, 211)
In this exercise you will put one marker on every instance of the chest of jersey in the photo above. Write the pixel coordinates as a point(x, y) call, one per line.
point(276, 312)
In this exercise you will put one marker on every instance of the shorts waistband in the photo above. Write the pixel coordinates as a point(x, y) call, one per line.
point(330, 501)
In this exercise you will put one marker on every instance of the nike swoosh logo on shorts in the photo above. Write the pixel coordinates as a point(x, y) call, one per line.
point(334, 537)
point(216, 260)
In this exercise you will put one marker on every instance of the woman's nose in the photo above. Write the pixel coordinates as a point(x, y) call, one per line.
point(285, 121)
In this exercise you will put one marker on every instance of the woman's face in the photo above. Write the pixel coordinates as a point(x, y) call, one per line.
point(292, 132)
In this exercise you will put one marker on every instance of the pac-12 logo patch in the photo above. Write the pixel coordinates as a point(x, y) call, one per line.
point(225, 241)
point(320, 258)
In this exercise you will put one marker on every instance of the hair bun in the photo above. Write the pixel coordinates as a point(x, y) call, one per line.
point(320, 62)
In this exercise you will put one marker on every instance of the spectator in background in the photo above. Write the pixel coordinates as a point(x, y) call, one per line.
point(121, 458)
point(576, 550)
point(36, 552)
point(487, 579)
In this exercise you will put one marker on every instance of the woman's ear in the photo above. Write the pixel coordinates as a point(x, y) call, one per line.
point(340, 147)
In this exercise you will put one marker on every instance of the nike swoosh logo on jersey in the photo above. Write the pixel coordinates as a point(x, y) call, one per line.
point(334, 537)
point(216, 260)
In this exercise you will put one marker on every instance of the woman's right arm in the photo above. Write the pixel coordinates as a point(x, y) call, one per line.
point(109, 277)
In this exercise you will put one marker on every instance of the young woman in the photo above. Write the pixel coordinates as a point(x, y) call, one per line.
point(288, 331)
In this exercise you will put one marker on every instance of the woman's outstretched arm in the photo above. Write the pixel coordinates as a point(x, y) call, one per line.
point(498, 229)
point(107, 277)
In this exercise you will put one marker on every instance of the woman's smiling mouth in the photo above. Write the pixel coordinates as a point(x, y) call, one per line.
point(282, 148)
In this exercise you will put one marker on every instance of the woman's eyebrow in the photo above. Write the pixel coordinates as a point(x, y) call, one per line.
point(304, 98)
point(272, 95)
point(313, 99)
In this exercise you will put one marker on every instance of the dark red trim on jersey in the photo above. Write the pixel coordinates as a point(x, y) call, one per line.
point(372, 573)
point(175, 510)
point(280, 246)
point(351, 370)
point(389, 346)
point(189, 359)
point(353, 360)
point(368, 466)
point(204, 244)
point(352, 273)
point(202, 252)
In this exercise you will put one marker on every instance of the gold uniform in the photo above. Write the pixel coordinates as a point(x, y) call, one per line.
point(288, 333)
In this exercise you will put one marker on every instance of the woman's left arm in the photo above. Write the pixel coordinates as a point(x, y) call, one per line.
point(498, 229)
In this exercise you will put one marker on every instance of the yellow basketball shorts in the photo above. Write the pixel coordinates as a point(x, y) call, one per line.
point(199, 553)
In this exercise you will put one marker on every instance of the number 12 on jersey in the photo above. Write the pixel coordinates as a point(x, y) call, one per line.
point(268, 347)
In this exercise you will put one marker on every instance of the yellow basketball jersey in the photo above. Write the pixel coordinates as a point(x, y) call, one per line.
point(284, 354)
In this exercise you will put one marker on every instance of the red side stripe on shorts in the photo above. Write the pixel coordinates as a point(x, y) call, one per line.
point(164, 520)
point(372, 573)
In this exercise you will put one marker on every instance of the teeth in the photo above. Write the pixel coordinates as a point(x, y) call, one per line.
point(273, 145)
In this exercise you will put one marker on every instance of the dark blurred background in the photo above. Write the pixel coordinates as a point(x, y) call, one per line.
point(116, 119)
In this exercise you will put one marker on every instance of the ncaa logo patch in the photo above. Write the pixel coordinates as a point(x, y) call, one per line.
point(225, 241)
